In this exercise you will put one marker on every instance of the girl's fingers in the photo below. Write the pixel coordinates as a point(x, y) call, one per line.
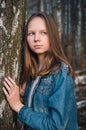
point(5, 91)
point(8, 88)
point(11, 80)
point(8, 82)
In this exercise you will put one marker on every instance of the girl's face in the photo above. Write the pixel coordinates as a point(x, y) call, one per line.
point(37, 37)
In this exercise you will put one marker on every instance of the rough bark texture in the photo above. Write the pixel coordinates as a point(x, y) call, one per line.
point(12, 17)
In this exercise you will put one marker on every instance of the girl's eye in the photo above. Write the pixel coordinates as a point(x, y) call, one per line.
point(30, 33)
point(44, 33)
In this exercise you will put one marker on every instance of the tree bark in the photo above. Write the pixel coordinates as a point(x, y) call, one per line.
point(12, 18)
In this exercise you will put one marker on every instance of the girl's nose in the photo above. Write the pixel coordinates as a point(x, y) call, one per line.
point(36, 37)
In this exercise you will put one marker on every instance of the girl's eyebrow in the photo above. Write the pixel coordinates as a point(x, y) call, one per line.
point(30, 30)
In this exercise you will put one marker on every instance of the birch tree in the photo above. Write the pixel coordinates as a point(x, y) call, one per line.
point(12, 17)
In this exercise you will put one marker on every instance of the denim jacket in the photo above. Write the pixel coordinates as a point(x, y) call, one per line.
point(53, 104)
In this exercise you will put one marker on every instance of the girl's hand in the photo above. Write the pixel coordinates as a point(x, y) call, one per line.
point(11, 91)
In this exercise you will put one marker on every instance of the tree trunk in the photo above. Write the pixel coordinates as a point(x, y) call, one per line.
point(12, 18)
point(83, 33)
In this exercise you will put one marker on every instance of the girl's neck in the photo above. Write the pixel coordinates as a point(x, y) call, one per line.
point(41, 61)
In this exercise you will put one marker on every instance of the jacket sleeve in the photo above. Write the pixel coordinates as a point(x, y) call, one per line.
point(60, 103)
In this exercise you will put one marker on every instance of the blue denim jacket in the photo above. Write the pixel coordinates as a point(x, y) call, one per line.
point(53, 105)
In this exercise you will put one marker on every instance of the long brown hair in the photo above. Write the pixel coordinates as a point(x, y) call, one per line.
point(53, 57)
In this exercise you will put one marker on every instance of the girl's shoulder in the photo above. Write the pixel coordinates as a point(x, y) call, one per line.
point(62, 68)
point(63, 77)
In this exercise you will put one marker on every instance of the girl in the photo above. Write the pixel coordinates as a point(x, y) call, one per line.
point(47, 85)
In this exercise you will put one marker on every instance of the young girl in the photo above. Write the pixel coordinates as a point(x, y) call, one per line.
point(47, 84)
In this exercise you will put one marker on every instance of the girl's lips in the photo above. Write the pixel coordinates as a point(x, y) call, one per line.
point(37, 46)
